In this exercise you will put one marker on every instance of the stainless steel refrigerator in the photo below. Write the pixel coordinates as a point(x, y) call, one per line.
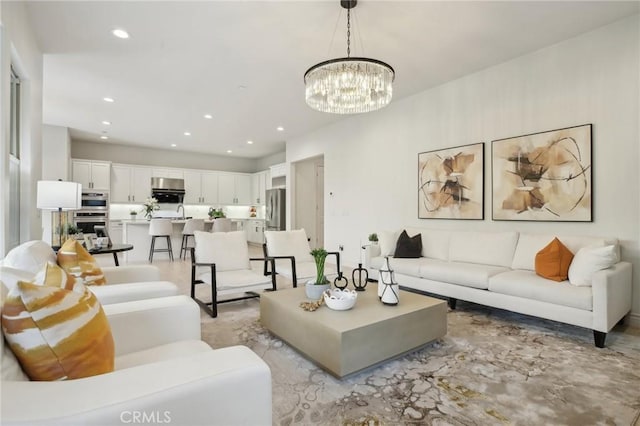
point(275, 219)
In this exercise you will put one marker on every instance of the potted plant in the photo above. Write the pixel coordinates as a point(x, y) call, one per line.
point(373, 238)
point(214, 214)
point(315, 287)
point(134, 214)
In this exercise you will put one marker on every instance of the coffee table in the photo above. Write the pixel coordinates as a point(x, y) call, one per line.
point(345, 342)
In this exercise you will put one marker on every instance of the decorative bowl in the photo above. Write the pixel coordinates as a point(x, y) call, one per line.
point(340, 300)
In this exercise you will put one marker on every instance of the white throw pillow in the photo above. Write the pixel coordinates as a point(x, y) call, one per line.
point(588, 260)
point(228, 250)
point(387, 241)
point(30, 256)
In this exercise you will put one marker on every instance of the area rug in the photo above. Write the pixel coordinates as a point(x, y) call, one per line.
point(492, 367)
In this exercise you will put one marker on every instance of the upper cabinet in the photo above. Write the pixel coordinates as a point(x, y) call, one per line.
point(200, 187)
point(279, 170)
point(234, 188)
point(92, 174)
point(259, 184)
point(168, 173)
point(130, 184)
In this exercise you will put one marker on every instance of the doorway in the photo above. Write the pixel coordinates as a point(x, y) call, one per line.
point(308, 199)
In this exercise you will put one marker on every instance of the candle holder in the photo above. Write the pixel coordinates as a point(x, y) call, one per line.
point(388, 288)
point(339, 278)
point(358, 283)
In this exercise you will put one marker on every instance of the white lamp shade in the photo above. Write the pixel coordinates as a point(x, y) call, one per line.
point(57, 194)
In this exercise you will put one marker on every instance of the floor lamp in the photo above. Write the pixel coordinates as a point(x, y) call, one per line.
point(60, 197)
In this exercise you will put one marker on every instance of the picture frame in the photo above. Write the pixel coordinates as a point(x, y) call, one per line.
point(451, 183)
point(88, 242)
point(545, 176)
point(101, 231)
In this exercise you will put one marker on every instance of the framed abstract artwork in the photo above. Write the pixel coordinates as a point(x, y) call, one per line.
point(451, 183)
point(543, 176)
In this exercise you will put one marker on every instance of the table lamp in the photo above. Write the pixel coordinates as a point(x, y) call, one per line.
point(60, 197)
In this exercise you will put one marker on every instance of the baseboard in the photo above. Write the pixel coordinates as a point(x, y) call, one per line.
point(634, 320)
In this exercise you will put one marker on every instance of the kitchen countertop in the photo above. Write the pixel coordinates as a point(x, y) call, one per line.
point(174, 221)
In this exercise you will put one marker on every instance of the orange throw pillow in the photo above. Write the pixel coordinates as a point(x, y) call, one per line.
point(75, 259)
point(552, 262)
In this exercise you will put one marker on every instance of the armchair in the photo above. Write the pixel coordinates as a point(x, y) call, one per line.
point(163, 373)
point(124, 283)
point(227, 269)
point(292, 255)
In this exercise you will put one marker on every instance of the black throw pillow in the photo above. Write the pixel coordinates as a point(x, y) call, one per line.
point(408, 247)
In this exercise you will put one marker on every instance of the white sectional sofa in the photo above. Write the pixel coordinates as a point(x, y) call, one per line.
point(497, 269)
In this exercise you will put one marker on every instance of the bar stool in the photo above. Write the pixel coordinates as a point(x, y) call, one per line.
point(221, 224)
point(160, 228)
point(190, 226)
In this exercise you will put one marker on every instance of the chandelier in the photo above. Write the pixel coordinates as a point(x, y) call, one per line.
point(349, 85)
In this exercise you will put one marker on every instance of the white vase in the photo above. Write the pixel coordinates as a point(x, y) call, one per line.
point(314, 291)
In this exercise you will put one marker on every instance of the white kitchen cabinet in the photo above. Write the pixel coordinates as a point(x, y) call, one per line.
point(130, 184)
point(200, 187)
point(168, 173)
point(259, 186)
point(279, 170)
point(234, 188)
point(255, 231)
point(92, 174)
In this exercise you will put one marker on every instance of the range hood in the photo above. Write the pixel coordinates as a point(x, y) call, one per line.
point(167, 190)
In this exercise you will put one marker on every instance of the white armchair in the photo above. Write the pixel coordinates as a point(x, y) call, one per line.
point(135, 282)
point(292, 255)
point(163, 373)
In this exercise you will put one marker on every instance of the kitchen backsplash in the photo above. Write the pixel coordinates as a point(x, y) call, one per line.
point(122, 211)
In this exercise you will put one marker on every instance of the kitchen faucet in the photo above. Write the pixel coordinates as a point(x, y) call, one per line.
point(180, 206)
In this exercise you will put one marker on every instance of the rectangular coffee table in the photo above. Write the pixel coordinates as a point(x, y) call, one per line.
point(344, 342)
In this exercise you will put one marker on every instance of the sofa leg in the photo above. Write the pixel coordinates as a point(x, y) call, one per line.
point(452, 302)
point(599, 338)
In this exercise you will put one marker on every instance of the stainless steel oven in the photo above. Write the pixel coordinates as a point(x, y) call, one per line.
point(94, 212)
point(95, 201)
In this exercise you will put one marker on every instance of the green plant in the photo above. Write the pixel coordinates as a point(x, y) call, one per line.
point(320, 255)
point(214, 214)
point(148, 207)
point(373, 237)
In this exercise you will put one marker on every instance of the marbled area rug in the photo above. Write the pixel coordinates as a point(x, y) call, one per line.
point(492, 367)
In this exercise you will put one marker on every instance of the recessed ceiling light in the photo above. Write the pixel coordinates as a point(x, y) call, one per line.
point(242, 87)
point(229, 151)
point(107, 99)
point(173, 145)
point(250, 142)
point(208, 116)
point(187, 133)
point(280, 128)
point(104, 137)
point(120, 33)
point(106, 123)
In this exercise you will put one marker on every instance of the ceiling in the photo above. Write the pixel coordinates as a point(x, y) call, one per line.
point(243, 62)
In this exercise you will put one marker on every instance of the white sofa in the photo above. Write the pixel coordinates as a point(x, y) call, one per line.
point(134, 282)
point(163, 372)
point(497, 269)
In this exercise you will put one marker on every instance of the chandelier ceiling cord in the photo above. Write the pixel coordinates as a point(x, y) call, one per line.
point(349, 85)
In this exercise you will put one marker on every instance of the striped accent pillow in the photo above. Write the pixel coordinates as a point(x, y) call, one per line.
point(57, 333)
point(54, 276)
point(72, 257)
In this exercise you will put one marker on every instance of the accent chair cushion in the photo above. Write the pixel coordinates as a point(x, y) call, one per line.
point(408, 247)
point(228, 250)
point(289, 243)
point(552, 262)
point(74, 258)
point(30, 256)
point(56, 333)
point(589, 260)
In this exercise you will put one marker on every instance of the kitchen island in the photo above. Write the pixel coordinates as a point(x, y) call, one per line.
point(136, 232)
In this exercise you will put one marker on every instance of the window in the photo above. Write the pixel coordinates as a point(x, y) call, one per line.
point(14, 162)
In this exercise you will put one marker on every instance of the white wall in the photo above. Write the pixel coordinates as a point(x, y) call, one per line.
point(56, 150)
point(168, 158)
point(371, 160)
point(18, 46)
